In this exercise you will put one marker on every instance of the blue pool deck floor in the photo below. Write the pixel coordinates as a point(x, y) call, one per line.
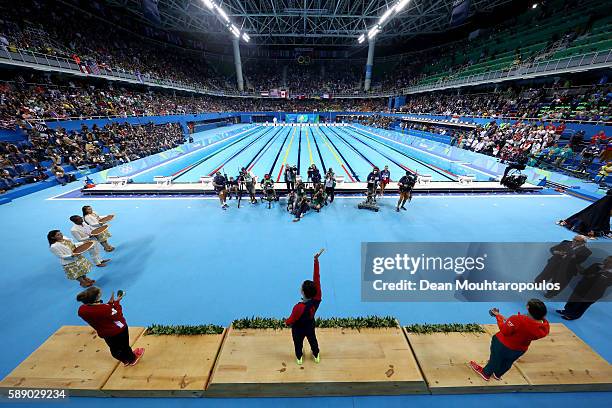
point(185, 261)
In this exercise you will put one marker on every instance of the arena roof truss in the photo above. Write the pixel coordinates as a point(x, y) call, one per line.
point(306, 22)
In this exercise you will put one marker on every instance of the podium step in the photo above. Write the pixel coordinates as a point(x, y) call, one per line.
point(261, 362)
point(74, 358)
point(562, 362)
point(173, 366)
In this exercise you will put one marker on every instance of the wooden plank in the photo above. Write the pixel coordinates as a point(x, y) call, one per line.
point(74, 358)
point(563, 362)
point(172, 366)
point(365, 362)
point(444, 360)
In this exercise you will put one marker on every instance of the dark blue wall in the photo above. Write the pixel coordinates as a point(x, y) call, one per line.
point(570, 129)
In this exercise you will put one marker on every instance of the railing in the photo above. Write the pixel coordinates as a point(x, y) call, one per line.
point(140, 115)
point(63, 64)
point(37, 60)
point(508, 118)
point(581, 62)
point(575, 63)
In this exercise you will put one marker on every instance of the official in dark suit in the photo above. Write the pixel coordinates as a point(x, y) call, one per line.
point(564, 263)
point(594, 282)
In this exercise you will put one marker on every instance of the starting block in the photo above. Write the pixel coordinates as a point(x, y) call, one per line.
point(339, 180)
point(117, 181)
point(466, 179)
point(424, 179)
point(162, 180)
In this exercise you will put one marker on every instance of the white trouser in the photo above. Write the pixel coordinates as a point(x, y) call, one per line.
point(94, 252)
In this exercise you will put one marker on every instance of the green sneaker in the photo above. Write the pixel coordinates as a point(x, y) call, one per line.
point(317, 359)
point(300, 360)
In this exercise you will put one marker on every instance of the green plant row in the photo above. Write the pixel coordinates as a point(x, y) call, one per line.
point(373, 322)
point(445, 328)
point(333, 322)
point(180, 330)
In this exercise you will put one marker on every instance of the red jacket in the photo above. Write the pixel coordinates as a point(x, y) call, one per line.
point(299, 308)
point(519, 331)
point(107, 319)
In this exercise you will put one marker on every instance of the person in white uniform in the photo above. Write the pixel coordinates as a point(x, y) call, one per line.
point(76, 267)
point(82, 233)
point(94, 220)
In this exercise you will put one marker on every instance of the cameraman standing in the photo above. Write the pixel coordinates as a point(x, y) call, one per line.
point(290, 176)
point(330, 184)
point(249, 182)
point(405, 184)
point(373, 180)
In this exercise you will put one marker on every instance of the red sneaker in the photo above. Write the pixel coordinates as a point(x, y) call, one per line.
point(478, 370)
point(139, 352)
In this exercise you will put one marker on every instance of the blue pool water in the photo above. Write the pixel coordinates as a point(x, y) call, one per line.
point(350, 151)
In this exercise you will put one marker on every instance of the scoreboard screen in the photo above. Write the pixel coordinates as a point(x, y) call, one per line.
point(302, 118)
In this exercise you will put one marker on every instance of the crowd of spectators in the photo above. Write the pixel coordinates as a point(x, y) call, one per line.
point(21, 102)
point(590, 103)
point(100, 38)
point(324, 77)
point(49, 152)
point(377, 121)
point(97, 39)
point(540, 143)
point(450, 60)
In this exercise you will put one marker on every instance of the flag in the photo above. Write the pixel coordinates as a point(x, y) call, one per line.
point(284, 93)
point(40, 126)
point(325, 96)
point(265, 93)
point(93, 67)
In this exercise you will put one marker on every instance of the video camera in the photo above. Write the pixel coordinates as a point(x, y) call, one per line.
point(514, 180)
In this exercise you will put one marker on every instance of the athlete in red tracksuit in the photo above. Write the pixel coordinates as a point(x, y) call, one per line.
point(302, 319)
point(513, 339)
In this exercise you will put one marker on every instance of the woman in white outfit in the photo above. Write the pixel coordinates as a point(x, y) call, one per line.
point(76, 267)
point(93, 219)
point(82, 233)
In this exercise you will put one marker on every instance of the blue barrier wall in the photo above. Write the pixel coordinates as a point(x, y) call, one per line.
point(12, 136)
point(141, 120)
point(570, 129)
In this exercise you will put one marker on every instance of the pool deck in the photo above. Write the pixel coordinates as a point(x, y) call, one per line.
point(343, 188)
